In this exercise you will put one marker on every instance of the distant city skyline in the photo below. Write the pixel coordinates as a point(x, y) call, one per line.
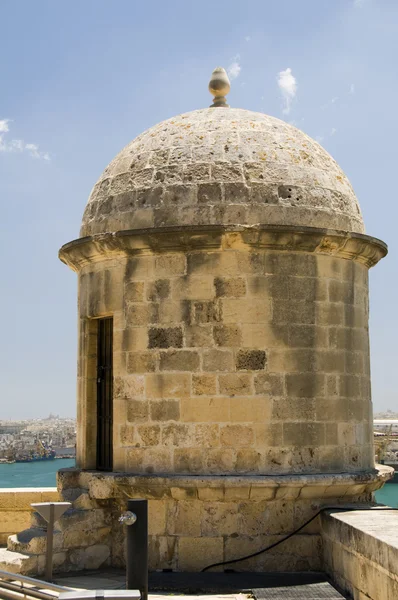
point(84, 80)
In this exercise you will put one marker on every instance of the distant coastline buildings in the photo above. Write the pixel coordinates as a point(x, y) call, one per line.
point(51, 437)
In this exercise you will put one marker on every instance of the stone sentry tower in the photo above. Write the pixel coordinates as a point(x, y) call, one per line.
point(224, 352)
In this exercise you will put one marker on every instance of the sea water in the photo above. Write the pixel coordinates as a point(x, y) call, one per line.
point(34, 474)
point(388, 495)
point(43, 474)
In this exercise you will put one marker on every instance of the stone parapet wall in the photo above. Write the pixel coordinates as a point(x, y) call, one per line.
point(195, 521)
point(15, 509)
point(360, 550)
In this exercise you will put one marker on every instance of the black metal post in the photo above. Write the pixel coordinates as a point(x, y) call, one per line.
point(137, 548)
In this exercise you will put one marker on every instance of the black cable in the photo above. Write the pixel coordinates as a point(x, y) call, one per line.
point(229, 562)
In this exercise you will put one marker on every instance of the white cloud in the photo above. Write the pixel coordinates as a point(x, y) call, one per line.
point(17, 145)
point(319, 138)
point(288, 85)
point(234, 70)
point(333, 131)
point(352, 89)
point(248, 38)
point(4, 125)
point(359, 3)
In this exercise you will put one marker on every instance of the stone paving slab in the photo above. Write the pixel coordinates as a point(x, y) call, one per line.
point(311, 591)
point(231, 586)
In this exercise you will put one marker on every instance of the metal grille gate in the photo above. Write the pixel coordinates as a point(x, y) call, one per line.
point(104, 394)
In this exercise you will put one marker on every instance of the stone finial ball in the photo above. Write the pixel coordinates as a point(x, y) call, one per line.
point(219, 84)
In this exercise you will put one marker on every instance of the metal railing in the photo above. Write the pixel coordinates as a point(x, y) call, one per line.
point(13, 585)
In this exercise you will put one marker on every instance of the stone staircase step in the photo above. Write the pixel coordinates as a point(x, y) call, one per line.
point(16, 562)
point(33, 541)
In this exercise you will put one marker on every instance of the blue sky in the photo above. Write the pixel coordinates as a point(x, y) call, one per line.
point(79, 80)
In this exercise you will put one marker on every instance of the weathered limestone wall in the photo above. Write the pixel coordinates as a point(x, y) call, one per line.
point(195, 521)
point(361, 552)
point(241, 391)
point(15, 509)
point(230, 361)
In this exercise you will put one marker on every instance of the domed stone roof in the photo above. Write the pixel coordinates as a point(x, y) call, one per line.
point(222, 166)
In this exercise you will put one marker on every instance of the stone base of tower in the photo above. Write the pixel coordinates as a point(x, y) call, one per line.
point(195, 521)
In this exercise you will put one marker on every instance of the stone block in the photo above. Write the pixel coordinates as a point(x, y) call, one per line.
point(184, 518)
point(168, 385)
point(162, 552)
point(165, 410)
point(250, 360)
point(209, 494)
point(95, 556)
point(330, 361)
point(204, 384)
point(179, 360)
point(239, 310)
point(205, 410)
point(165, 337)
point(237, 493)
point(206, 435)
point(204, 312)
point(212, 263)
point(298, 312)
point(250, 262)
point(232, 287)
point(177, 195)
point(230, 214)
point(137, 411)
point(141, 362)
point(158, 290)
point(14, 521)
point(127, 435)
point(157, 517)
point(221, 461)
point(149, 435)
point(269, 384)
point(142, 314)
point(303, 434)
point(175, 434)
point(293, 361)
point(305, 385)
point(188, 460)
point(183, 493)
point(330, 314)
point(7, 500)
point(219, 519)
point(227, 335)
point(84, 538)
point(134, 291)
point(195, 553)
point(209, 193)
point(193, 288)
point(199, 336)
point(236, 435)
point(264, 335)
point(235, 384)
point(248, 460)
point(250, 409)
point(130, 386)
point(308, 336)
point(262, 493)
point(268, 434)
point(218, 360)
point(132, 339)
point(168, 265)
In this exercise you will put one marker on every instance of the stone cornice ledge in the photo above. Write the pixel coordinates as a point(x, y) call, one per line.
point(102, 485)
point(352, 246)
